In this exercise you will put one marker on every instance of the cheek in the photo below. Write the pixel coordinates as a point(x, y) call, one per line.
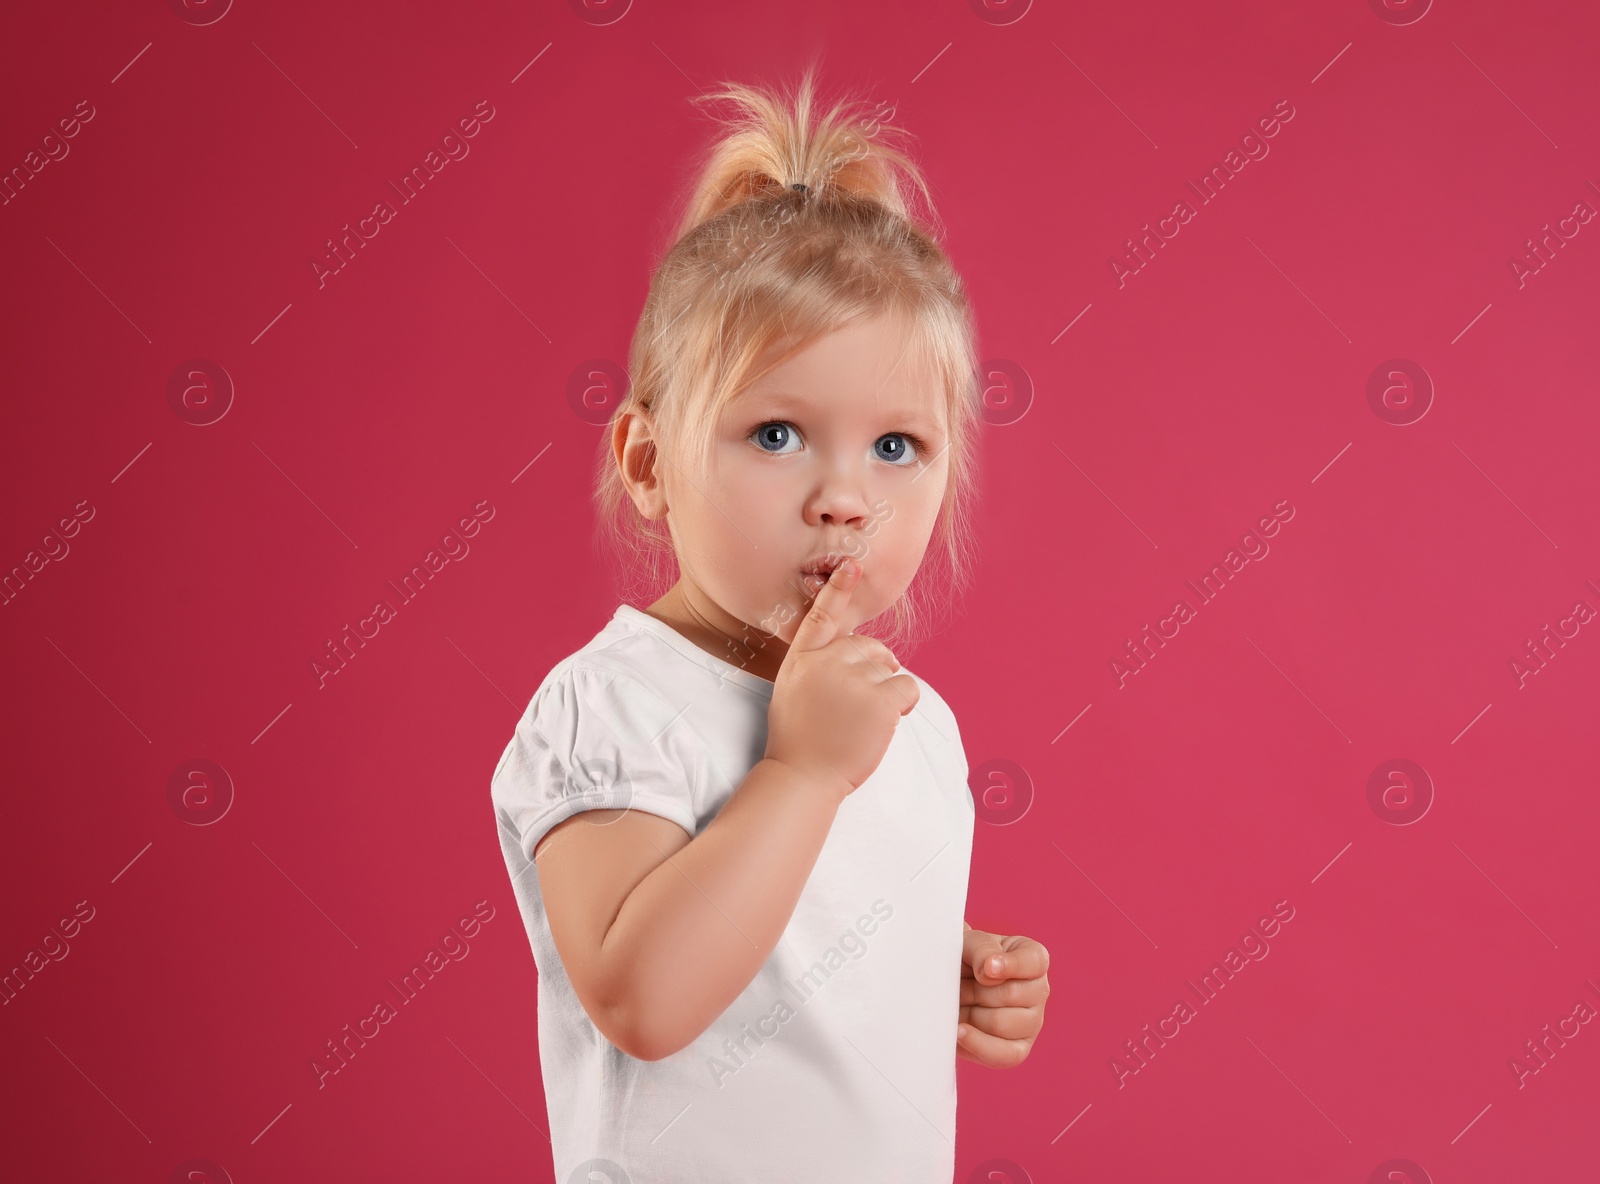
point(906, 519)
point(734, 523)
point(743, 483)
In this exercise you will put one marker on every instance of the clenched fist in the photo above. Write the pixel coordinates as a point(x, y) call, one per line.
point(1004, 983)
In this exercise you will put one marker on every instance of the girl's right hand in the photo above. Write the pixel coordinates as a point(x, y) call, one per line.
point(836, 700)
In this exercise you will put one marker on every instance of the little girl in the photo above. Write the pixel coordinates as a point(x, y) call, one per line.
point(738, 829)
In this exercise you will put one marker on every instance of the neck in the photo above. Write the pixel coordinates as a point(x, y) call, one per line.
point(690, 612)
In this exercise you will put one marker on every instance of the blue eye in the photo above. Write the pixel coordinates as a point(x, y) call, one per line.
point(901, 451)
point(771, 437)
point(777, 432)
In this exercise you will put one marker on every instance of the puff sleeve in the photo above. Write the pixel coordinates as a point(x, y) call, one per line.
point(596, 740)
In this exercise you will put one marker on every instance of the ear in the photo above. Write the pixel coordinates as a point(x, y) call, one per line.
point(634, 446)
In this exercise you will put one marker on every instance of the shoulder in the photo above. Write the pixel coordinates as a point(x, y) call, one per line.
point(935, 713)
point(614, 663)
point(587, 707)
point(593, 682)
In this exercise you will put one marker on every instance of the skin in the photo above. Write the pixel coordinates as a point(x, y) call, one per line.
point(840, 448)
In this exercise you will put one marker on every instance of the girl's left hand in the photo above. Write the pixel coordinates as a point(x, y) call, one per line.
point(1001, 1012)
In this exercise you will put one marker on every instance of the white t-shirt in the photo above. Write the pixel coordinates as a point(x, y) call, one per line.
point(837, 1063)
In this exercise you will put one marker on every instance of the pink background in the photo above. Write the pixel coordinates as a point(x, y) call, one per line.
point(1162, 417)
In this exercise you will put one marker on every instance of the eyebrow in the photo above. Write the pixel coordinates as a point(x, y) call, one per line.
point(787, 401)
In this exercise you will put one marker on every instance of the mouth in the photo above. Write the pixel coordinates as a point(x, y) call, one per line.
point(816, 572)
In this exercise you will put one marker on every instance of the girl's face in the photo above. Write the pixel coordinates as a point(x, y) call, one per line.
point(839, 451)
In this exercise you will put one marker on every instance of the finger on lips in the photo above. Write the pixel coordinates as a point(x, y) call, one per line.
point(820, 622)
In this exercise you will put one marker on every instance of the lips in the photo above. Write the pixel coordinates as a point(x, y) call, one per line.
point(823, 566)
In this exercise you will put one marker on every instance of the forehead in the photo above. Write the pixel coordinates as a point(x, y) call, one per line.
point(868, 365)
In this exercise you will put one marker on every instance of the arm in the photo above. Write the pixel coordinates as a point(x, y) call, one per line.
point(658, 932)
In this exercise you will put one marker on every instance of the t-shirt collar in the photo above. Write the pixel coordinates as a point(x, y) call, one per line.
point(635, 618)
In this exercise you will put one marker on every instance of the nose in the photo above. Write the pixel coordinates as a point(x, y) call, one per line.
point(840, 501)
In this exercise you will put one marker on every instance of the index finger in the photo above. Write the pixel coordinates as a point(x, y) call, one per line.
point(821, 624)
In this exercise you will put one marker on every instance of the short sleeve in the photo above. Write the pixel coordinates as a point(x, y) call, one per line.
point(595, 740)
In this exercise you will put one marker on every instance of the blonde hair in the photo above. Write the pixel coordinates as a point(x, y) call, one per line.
point(791, 230)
